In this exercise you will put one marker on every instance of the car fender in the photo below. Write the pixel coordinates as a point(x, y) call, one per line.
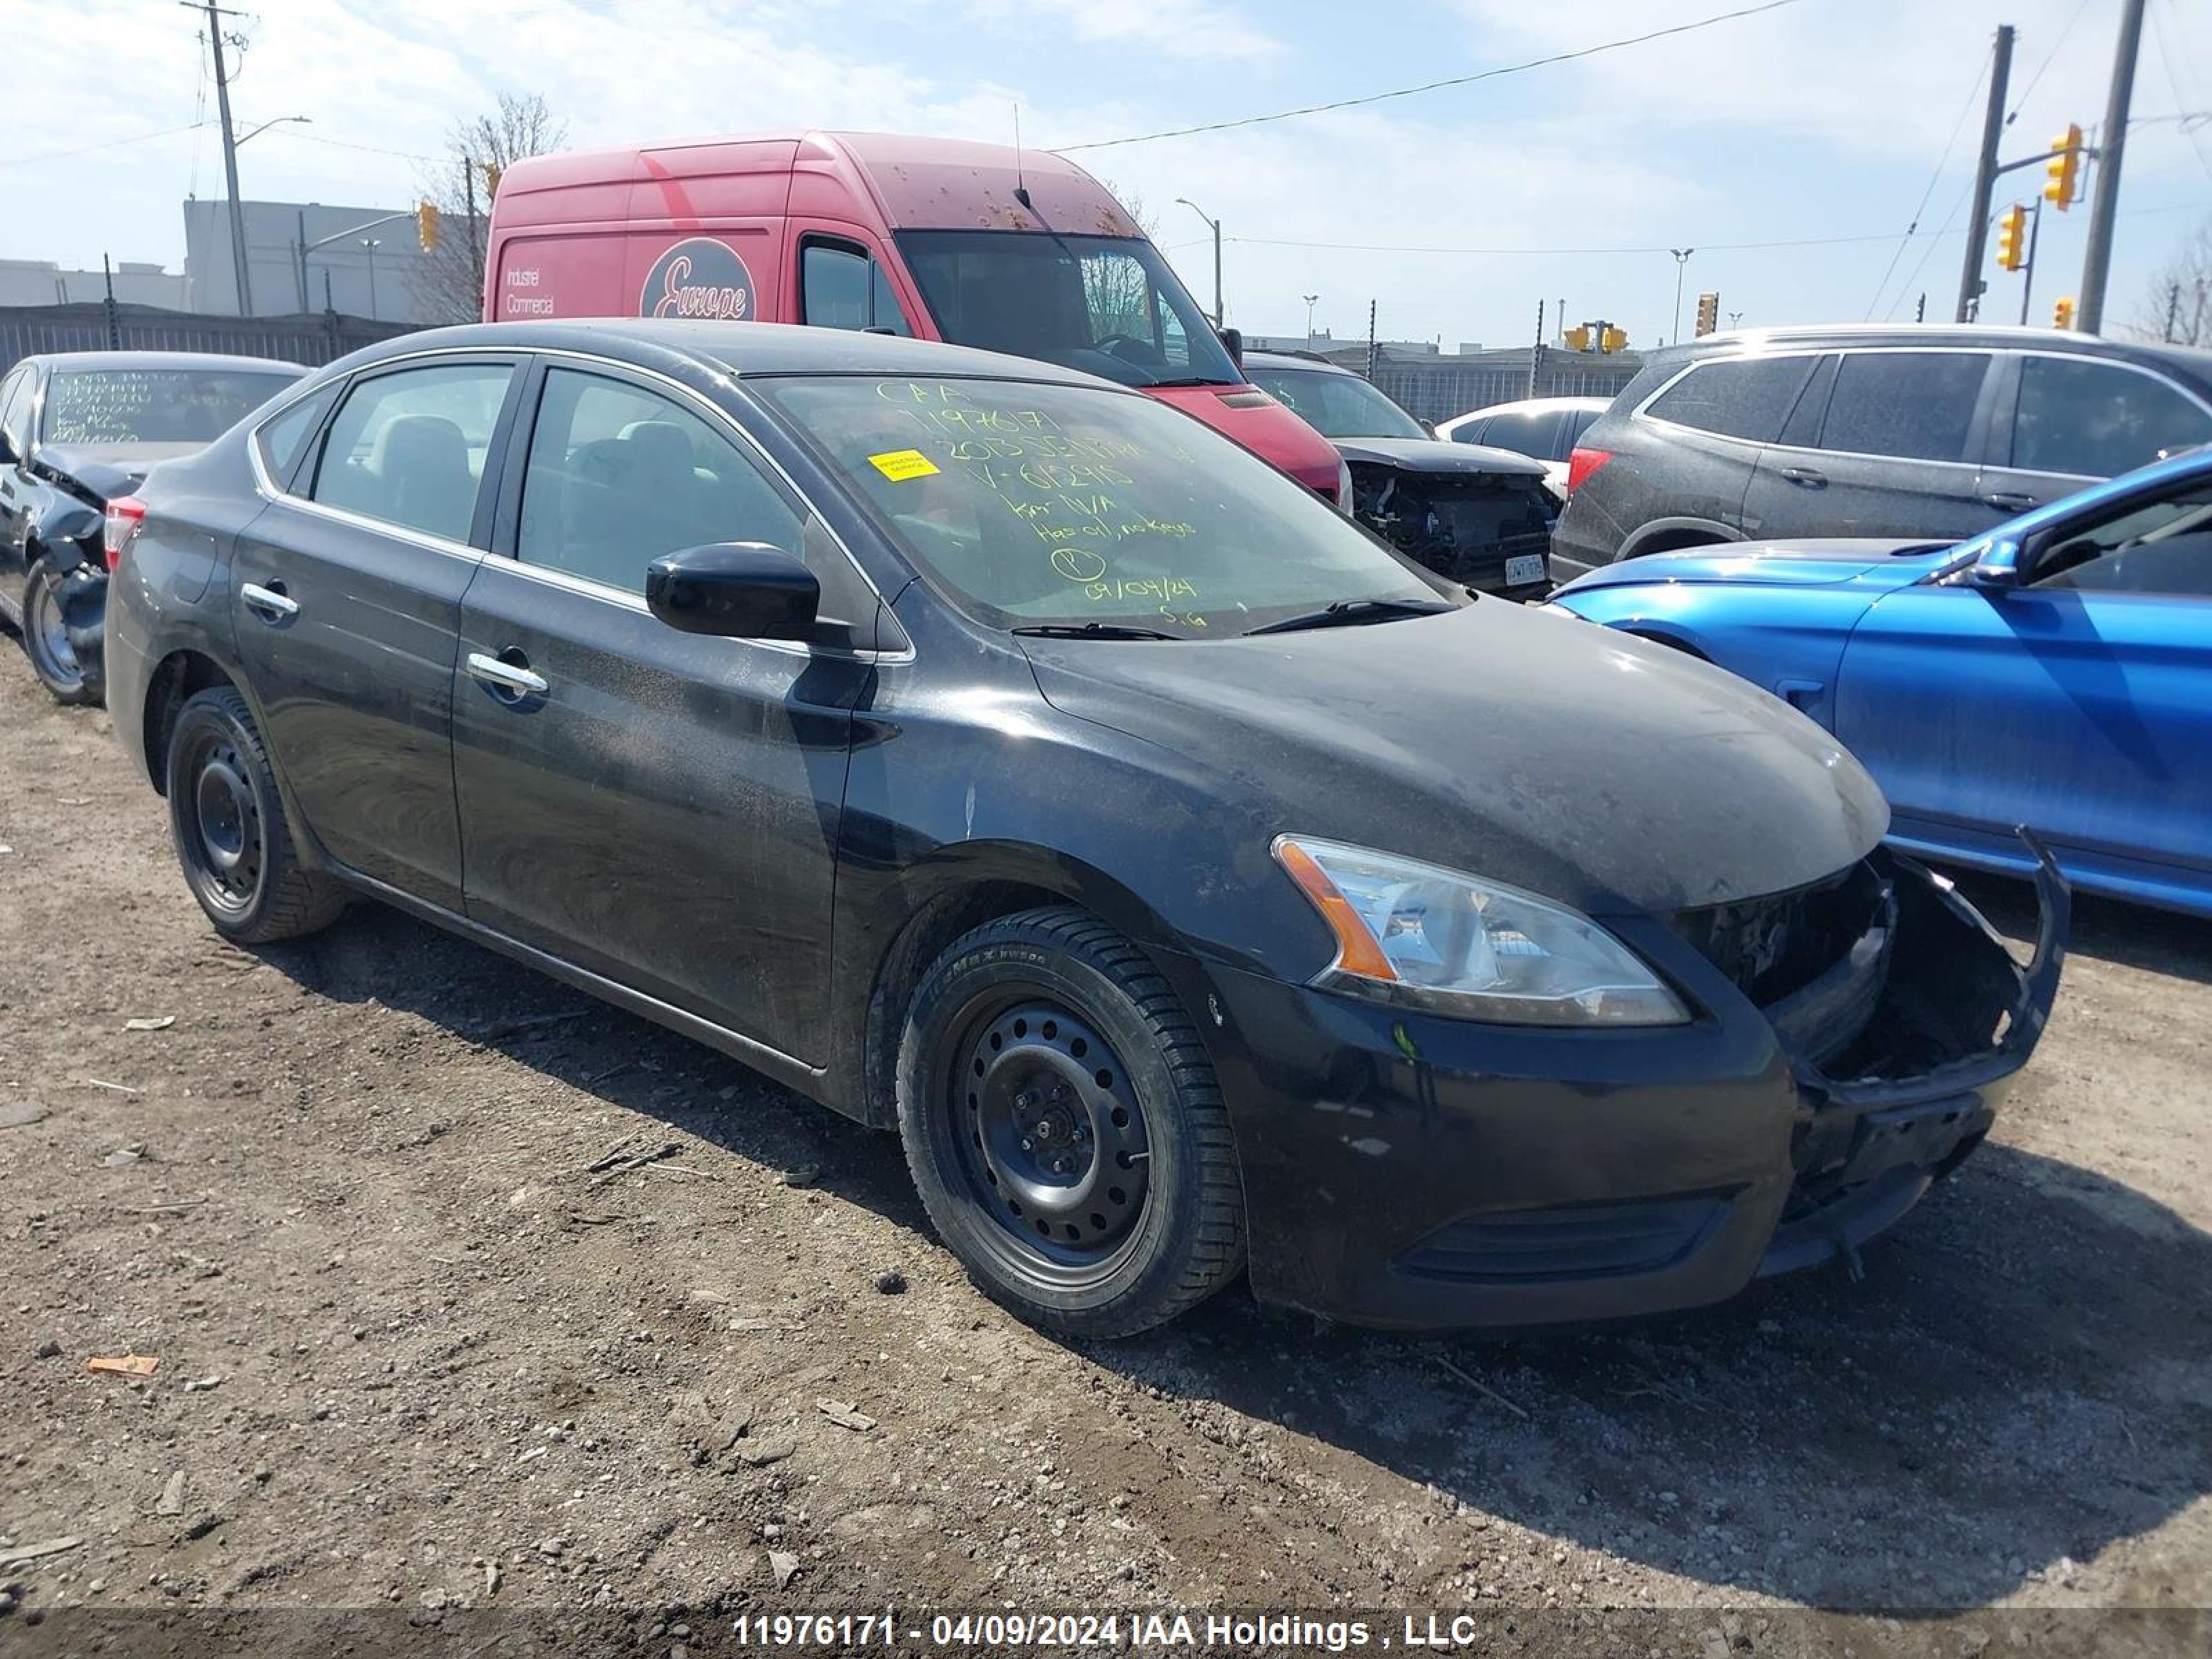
point(65, 529)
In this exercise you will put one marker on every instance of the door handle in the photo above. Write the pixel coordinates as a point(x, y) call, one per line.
point(1806, 476)
point(270, 602)
point(2011, 501)
point(513, 680)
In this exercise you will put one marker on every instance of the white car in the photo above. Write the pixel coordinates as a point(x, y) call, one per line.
point(1546, 428)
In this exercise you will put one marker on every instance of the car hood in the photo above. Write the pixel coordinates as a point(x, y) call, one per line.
point(1775, 564)
point(110, 470)
point(1435, 455)
point(1526, 746)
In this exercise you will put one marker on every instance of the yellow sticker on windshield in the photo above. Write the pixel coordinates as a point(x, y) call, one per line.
point(902, 463)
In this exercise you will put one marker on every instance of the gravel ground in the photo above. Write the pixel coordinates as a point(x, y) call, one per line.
point(413, 1353)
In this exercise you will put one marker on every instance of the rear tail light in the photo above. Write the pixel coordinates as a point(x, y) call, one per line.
point(126, 516)
point(1582, 463)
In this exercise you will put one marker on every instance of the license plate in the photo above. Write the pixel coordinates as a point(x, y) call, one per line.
point(1523, 568)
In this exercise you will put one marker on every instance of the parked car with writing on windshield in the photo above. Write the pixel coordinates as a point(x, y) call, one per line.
point(1933, 433)
point(1156, 859)
point(1480, 516)
point(78, 430)
point(2055, 672)
point(982, 245)
point(1546, 428)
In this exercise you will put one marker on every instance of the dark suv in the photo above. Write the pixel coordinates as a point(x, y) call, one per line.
point(1939, 432)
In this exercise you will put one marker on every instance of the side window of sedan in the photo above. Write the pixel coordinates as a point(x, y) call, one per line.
point(618, 476)
point(408, 448)
point(2162, 546)
point(2098, 420)
point(15, 407)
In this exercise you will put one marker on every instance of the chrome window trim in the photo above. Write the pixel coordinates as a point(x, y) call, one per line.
point(715, 416)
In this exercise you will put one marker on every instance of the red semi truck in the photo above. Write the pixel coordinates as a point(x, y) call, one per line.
point(1019, 252)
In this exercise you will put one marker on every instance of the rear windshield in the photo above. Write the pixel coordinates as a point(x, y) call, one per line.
point(154, 406)
point(1106, 305)
point(1062, 505)
point(1336, 405)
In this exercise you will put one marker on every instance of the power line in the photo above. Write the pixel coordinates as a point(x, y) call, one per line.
point(1436, 86)
point(2048, 59)
point(1933, 179)
point(87, 149)
point(2173, 81)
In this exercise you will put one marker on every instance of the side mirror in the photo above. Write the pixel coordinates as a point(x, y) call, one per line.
point(1429, 427)
point(1997, 570)
point(1232, 340)
point(741, 590)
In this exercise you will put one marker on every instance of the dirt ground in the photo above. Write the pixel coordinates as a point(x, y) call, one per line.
point(414, 1353)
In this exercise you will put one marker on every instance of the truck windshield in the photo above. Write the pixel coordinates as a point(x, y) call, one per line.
point(1106, 305)
point(1063, 506)
point(1336, 405)
point(154, 406)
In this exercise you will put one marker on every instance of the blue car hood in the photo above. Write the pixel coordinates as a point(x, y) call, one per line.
point(1881, 562)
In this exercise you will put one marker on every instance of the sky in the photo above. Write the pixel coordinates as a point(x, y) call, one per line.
point(1823, 119)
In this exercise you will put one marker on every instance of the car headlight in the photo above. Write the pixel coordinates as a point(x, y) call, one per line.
point(1415, 933)
point(1344, 488)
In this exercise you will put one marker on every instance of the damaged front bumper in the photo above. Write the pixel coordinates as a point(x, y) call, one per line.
point(1417, 1172)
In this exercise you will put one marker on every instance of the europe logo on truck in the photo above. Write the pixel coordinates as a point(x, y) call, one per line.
point(698, 277)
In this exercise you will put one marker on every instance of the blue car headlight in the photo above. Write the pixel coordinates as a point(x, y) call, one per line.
point(1418, 934)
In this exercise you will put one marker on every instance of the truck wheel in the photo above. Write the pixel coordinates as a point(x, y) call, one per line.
point(1065, 1129)
point(46, 641)
point(227, 821)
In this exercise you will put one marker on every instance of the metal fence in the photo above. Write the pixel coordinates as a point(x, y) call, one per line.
point(311, 337)
point(1436, 390)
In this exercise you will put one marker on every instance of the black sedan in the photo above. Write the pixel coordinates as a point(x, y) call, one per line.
point(996, 754)
point(77, 430)
point(1481, 516)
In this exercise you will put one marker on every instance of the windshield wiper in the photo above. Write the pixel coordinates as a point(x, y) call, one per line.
point(1091, 630)
point(1190, 380)
point(1345, 613)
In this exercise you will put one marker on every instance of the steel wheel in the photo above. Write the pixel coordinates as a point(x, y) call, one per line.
point(1053, 1138)
point(225, 822)
point(45, 638)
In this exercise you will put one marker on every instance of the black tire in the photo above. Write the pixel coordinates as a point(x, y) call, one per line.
point(1045, 1060)
point(227, 823)
point(44, 641)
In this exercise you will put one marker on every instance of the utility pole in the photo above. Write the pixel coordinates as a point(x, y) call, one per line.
point(1370, 340)
point(469, 191)
point(372, 243)
point(1985, 174)
point(215, 16)
point(2104, 198)
point(2028, 276)
point(1536, 351)
point(1681, 264)
point(114, 323)
point(1312, 300)
point(2173, 311)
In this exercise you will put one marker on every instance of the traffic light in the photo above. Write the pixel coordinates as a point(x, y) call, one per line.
point(1610, 338)
point(2062, 315)
point(2011, 238)
point(1577, 339)
point(426, 224)
point(1709, 314)
point(2063, 170)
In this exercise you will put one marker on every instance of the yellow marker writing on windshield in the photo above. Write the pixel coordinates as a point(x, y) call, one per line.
point(900, 464)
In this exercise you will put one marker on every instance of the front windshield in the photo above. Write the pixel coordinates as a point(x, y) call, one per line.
point(1335, 405)
point(153, 405)
point(1065, 506)
point(1106, 305)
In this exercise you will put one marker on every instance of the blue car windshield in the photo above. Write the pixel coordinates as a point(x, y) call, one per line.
point(1065, 505)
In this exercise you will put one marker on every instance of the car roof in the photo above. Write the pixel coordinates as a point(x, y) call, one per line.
point(2192, 360)
point(161, 360)
point(746, 350)
point(1537, 405)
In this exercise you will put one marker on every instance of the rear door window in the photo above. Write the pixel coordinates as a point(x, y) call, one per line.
point(1578, 421)
point(2099, 420)
point(1742, 397)
point(841, 287)
point(1472, 432)
point(1913, 405)
point(408, 448)
point(283, 442)
point(1525, 434)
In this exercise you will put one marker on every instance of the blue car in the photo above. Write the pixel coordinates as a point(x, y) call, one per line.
point(2055, 672)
